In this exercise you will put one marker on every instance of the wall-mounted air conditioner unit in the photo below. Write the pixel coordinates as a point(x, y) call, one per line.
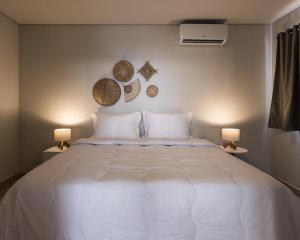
point(203, 34)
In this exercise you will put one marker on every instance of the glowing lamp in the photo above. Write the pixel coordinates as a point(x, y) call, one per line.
point(62, 135)
point(230, 135)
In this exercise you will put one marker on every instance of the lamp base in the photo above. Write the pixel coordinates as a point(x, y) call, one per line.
point(63, 144)
point(230, 144)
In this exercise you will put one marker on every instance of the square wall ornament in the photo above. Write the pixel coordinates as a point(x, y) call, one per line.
point(147, 71)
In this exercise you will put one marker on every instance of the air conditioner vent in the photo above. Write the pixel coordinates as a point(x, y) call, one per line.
point(212, 41)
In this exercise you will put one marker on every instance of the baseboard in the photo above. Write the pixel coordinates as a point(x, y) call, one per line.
point(295, 189)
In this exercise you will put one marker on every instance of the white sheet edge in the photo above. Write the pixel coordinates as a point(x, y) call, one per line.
point(190, 142)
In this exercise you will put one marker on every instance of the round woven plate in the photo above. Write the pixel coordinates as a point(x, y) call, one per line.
point(106, 92)
point(132, 90)
point(152, 91)
point(123, 71)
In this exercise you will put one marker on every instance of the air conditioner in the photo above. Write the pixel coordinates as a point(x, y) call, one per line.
point(203, 34)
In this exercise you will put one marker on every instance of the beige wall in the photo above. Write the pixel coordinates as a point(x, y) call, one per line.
point(285, 146)
point(222, 86)
point(9, 106)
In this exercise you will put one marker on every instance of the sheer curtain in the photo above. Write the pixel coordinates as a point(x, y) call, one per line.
point(285, 107)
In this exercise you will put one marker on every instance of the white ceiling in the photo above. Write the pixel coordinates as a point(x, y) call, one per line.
point(143, 11)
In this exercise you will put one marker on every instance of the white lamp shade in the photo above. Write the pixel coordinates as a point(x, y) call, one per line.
point(62, 134)
point(230, 134)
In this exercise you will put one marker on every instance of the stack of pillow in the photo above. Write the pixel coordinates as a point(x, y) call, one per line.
point(146, 124)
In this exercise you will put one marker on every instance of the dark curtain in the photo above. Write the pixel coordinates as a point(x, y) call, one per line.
point(285, 107)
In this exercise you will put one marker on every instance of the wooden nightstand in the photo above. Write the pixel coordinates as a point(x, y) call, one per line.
point(51, 152)
point(237, 151)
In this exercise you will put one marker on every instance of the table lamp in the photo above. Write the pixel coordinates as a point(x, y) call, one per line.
point(61, 135)
point(230, 135)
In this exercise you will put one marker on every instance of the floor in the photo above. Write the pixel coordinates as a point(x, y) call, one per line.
point(4, 186)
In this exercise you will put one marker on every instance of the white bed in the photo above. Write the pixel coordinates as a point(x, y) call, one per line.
point(145, 190)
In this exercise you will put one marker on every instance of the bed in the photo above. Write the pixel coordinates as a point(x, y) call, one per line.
point(112, 189)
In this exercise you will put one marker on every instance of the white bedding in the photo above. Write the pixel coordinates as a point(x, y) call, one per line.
point(148, 190)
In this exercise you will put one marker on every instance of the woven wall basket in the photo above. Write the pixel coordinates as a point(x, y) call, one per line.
point(152, 91)
point(123, 71)
point(106, 92)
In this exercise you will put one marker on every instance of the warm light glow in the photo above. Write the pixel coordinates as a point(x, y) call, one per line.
point(62, 134)
point(227, 111)
point(66, 113)
point(69, 117)
point(221, 116)
point(230, 134)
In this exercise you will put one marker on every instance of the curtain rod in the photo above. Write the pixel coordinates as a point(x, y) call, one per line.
point(290, 30)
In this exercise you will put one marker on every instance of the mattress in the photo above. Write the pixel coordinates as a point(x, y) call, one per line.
point(110, 189)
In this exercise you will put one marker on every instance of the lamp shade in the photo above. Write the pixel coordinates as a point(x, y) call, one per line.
point(62, 134)
point(230, 134)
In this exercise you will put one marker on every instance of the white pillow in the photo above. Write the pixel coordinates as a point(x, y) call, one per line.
point(167, 125)
point(117, 125)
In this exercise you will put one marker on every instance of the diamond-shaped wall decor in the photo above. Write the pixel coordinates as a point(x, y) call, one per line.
point(147, 71)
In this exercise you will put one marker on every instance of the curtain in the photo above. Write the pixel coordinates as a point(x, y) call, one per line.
point(285, 107)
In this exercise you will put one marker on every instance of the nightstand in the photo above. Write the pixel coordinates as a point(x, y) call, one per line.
point(51, 152)
point(237, 151)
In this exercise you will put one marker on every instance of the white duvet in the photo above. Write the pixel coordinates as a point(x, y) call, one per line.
point(148, 190)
